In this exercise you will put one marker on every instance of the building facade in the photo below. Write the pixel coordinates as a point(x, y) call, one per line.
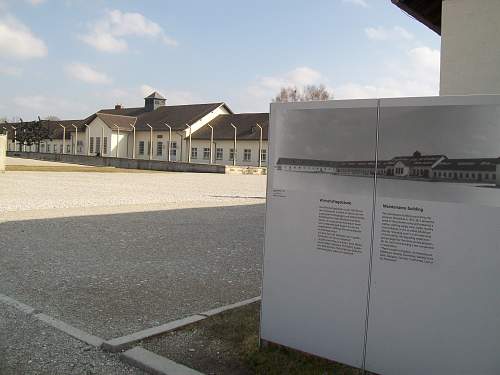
point(196, 133)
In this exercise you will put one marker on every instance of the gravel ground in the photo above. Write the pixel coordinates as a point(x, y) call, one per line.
point(21, 191)
point(112, 254)
point(28, 346)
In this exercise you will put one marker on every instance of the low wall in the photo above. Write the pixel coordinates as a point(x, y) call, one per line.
point(3, 151)
point(234, 169)
point(154, 165)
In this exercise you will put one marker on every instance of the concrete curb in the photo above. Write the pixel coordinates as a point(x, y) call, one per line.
point(229, 307)
point(17, 305)
point(155, 364)
point(70, 330)
point(117, 344)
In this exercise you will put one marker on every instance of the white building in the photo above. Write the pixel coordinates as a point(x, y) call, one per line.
point(159, 132)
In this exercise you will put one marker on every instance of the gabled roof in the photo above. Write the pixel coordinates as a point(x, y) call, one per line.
point(479, 164)
point(427, 12)
point(112, 121)
point(244, 122)
point(155, 95)
point(177, 116)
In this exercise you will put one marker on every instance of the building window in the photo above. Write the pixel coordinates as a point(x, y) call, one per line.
point(173, 150)
point(91, 145)
point(159, 148)
point(219, 153)
point(159, 136)
point(486, 176)
point(231, 154)
point(493, 176)
point(247, 154)
point(68, 149)
point(206, 153)
point(194, 153)
point(48, 147)
point(61, 149)
point(263, 155)
point(98, 145)
point(105, 145)
point(141, 148)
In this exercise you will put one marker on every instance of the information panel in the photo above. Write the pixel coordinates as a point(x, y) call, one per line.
point(382, 245)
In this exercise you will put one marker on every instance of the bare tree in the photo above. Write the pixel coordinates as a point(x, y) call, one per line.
point(308, 93)
point(52, 118)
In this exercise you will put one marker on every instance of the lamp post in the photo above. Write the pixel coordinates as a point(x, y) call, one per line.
point(211, 141)
point(101, 145)
point(150, 141)
point(133, 147)
point(260, 145)
point(76, 138)
point(234, 148)
point(117, 140)
point(15, 137)
point(64, 138)
point(88, 139)
point(169, 139)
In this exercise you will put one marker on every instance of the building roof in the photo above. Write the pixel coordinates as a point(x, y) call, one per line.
point(155, 95)
point(245, 123)
point(416, 160)
point(177, 116)
point(480, 164)
point(307, 162)
point(112, 121)
point(55, 130)
point(427, 12)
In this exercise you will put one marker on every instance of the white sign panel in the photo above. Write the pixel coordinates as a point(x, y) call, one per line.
point(382, 248)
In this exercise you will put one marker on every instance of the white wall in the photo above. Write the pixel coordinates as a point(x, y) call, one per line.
point(226, 145)
point(470, 47)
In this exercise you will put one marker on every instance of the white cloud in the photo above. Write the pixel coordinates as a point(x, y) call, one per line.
point(383, 34)
point(417, 74)
point(17, 41)
point(108, 34)
point(86, 73)
point(362, 3)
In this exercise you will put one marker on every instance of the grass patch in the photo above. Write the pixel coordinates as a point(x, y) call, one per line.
point(228, 343)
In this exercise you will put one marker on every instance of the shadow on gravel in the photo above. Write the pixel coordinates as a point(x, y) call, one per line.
point(112, 275)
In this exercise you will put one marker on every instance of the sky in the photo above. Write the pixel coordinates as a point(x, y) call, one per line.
point(70, 58)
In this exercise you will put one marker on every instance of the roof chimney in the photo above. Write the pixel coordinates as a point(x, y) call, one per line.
point(118, 106)
point(153, 101)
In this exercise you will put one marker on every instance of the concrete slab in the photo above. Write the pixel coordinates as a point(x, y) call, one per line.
point(155, 364)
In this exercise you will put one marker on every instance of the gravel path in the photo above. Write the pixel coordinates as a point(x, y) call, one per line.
point(28, 346)
point(24, 191)
point(115, 253)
